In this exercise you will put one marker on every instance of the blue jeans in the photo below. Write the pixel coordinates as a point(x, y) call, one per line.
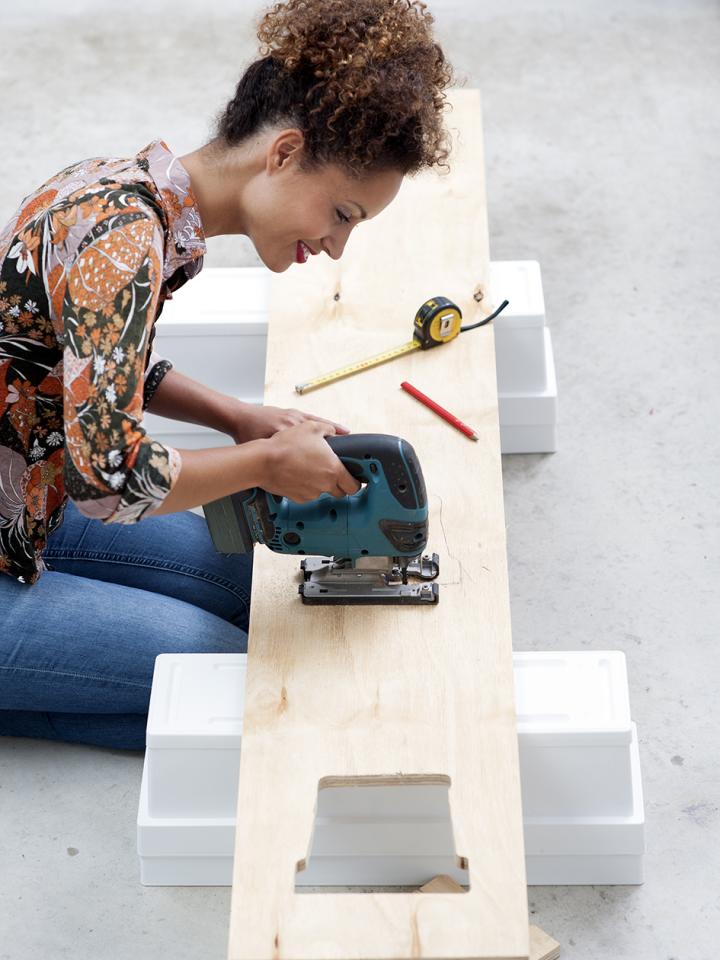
point(78, 648)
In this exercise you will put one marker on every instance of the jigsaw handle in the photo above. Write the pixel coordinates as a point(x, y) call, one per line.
point(348, 457)
point(379, 456)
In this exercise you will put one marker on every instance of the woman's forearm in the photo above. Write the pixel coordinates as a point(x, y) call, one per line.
point(181, 398)
point(207, 475)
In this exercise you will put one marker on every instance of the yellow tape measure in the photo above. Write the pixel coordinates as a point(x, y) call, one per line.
point(437, 321)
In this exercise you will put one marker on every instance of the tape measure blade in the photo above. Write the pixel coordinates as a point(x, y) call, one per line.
point(358, 367)
point(324, 380)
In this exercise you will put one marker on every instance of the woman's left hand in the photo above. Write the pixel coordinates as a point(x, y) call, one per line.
point(253, 422)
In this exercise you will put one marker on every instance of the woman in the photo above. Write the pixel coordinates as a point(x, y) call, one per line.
point(345, 100)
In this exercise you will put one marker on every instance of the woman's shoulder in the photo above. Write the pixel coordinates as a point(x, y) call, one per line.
point(141, 204)
point(65, 209)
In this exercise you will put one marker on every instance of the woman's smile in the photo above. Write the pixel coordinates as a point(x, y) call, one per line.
point(303, 251)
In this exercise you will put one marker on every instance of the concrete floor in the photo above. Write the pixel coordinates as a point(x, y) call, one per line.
point(602, 133)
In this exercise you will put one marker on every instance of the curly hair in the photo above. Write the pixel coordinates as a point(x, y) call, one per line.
point(363, 79)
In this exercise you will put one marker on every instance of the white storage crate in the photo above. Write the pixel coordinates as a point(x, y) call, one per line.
point(528, 421)
point(526, 379)
point(193, 735)
point(579, 768)
point(589, 849)
point(520, 347)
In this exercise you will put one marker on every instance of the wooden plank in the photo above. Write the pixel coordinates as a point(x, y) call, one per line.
point(382, 691)
point(542, 945)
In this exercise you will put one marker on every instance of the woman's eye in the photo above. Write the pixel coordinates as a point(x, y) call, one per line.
point(343, 218)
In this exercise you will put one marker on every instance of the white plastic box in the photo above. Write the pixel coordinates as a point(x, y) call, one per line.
point(215, 330)
point(528, 421)
point(579, 767)
point(526, 379)
point(193, 735)
point(520, 346)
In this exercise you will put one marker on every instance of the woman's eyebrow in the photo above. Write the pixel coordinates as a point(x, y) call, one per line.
point(363, 214)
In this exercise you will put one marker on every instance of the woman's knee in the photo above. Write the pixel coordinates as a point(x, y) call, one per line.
point(77, 645)
point(225, 579)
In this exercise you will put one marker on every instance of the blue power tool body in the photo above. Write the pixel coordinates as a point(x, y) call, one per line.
point(362, 548)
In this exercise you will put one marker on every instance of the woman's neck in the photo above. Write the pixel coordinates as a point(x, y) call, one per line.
point(218, 182)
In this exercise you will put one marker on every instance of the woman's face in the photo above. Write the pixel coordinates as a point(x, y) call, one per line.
point(291, 214)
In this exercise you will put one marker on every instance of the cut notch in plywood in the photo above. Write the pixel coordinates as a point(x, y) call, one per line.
point(381, 833)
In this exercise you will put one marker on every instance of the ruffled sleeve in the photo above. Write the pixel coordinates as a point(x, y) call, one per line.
point(113, 470)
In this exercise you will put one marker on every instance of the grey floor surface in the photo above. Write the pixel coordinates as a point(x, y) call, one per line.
point(602, 133)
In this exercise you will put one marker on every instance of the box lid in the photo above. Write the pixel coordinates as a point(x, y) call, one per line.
point(572, 698)
point(197, 700)
point(565, 698)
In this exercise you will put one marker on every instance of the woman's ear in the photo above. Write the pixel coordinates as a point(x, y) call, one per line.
point(285, 149)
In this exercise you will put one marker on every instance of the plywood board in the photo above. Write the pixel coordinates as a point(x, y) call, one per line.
point(380, 691)
point(542, 945)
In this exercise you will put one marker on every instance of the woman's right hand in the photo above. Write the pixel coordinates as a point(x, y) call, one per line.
point(300, 465)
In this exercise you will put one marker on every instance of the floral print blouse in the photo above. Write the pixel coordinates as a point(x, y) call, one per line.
point(85, 265)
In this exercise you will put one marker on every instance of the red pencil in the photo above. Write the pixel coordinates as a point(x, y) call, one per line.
point(441, 411)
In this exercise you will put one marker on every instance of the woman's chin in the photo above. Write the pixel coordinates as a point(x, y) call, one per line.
point(276, 264)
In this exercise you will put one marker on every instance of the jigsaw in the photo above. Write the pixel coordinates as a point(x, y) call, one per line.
point(363, 548)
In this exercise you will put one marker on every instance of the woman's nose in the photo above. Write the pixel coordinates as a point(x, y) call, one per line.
point(335, 244)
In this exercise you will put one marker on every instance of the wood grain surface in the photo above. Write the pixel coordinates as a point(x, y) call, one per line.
point(542, 945)
point(363, 691)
